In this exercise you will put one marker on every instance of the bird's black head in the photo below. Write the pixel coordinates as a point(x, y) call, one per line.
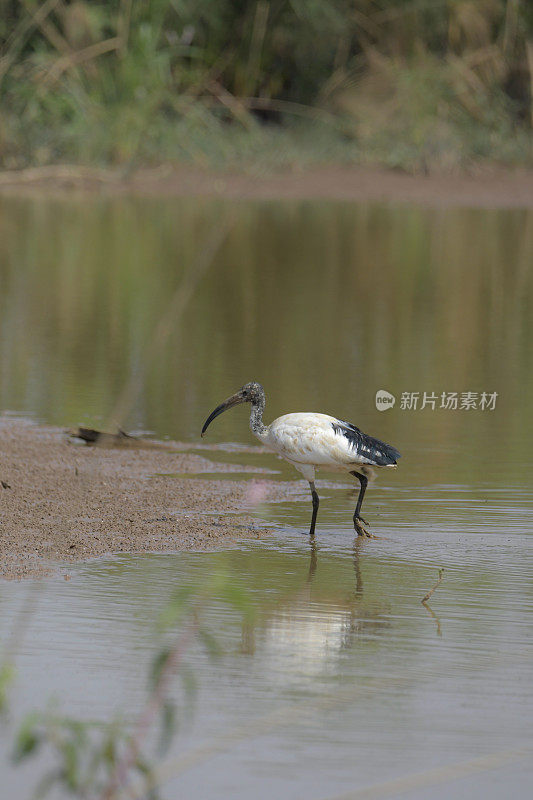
point(250, 393)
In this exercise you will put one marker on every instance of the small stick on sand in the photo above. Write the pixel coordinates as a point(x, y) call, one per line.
point(428, 595)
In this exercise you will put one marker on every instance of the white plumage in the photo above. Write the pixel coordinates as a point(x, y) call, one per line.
point(308, 440)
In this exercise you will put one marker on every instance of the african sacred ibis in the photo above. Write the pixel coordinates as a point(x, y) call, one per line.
point(309, 440)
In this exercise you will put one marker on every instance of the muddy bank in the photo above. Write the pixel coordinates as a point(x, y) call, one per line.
point(490, 187)
point(62, 502)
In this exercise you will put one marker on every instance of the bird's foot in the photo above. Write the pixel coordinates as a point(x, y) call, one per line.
point(360, 527)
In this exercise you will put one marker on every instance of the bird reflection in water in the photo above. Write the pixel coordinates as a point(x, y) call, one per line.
point(306, 630)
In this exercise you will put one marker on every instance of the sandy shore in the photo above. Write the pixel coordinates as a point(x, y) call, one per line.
point(490, 187)
point(62, 502)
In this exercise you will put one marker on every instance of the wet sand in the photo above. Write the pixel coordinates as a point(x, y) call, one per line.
point(62, 502)
point(483, 187)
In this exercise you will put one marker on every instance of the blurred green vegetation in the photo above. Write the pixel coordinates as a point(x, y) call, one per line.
point(417, 84)
point(96, 759)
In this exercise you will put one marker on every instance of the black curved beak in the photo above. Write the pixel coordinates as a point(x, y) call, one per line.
point(234, 400)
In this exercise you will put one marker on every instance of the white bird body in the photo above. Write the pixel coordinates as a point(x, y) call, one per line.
point(308, 440)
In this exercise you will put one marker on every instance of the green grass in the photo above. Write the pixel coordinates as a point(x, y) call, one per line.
point(416, 85)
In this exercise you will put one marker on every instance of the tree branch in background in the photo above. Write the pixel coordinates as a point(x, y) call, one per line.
point(80, 57)
point(19, 36)
point(49, 30)
point(529, 52)
point(234, 104)
point(262, 11)
point(123, 26)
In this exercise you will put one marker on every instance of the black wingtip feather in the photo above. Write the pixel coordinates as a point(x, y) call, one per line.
point(378, 452)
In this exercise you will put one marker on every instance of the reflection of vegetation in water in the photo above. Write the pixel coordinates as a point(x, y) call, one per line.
point(406, 299)
point(406, 83)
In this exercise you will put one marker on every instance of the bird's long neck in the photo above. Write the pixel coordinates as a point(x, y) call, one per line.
point(257, 426)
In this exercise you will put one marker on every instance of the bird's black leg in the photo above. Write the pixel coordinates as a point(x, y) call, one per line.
point(358, 521)
point(316, 503)
point(364, 482)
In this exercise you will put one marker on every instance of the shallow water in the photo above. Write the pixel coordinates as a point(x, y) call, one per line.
point(345, 680)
